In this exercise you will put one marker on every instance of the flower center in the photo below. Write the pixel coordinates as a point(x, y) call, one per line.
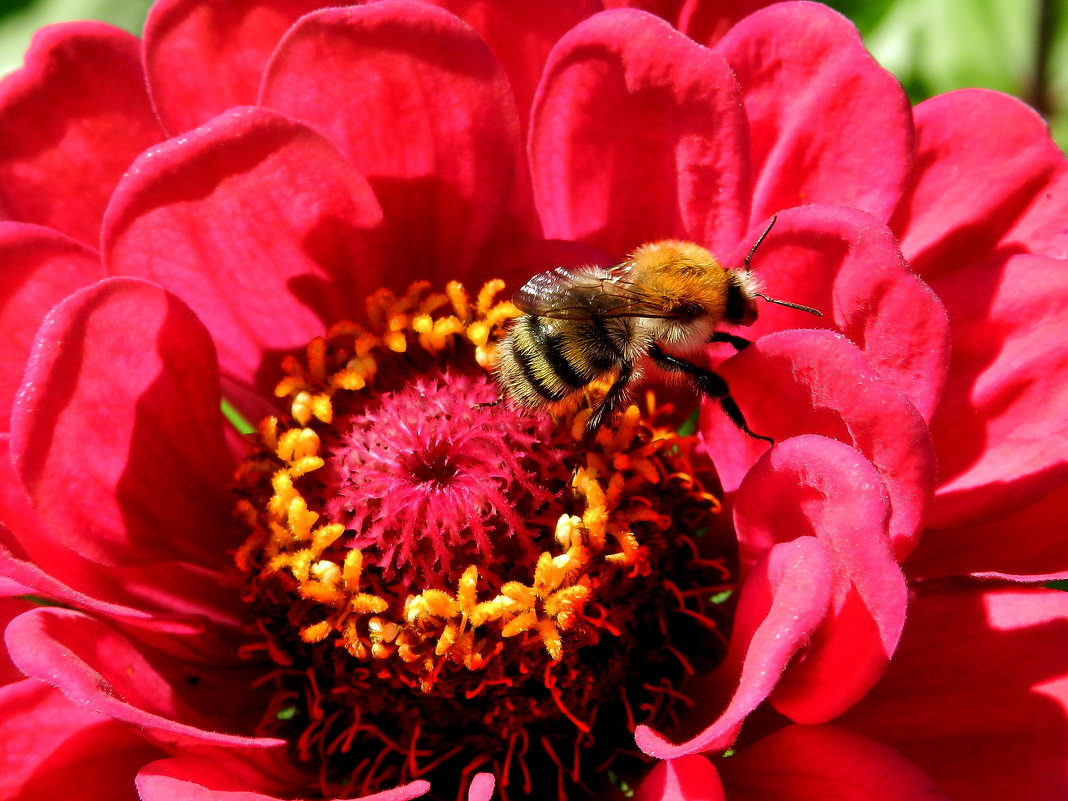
point(445, 585)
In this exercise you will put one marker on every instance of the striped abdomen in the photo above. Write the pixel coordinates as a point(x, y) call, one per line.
point(544, 359)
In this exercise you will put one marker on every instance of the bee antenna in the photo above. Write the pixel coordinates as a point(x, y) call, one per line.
point(756, 244)
point(790, 305)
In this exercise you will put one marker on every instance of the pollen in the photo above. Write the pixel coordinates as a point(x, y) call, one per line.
point(450, 570)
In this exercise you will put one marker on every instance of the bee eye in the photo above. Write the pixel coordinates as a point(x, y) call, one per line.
point(740, 308)
point(690, 310)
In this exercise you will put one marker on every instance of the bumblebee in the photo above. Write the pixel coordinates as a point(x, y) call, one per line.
point(666, 300)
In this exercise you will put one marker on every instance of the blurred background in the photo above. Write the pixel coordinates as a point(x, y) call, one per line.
point(1015, 46)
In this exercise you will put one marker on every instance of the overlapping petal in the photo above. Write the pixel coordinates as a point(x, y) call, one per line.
point(48, 740)
point(150, 453)
point(38, 268)
point(816, 382)
point(421, 107)
point(223, 778)
point(98, 669)
point(71, 121)
point(977, 694)
point(1001, 430)
point(988, 183)
point(847, 265)
point(251, 219)
point(783, 603)
point(806, 762)
point(521, 36)
point(688, 778)
point(828, 124)
point(389, 148)
point(638, 134)
point(233, 42)
point(1026, 545)
point(814, 486)
point(175, 604)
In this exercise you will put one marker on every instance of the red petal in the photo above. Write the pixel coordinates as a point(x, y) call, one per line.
point(1028, 545)
point(847, 265)
point(260, 226)
point(977, 694)
point(117, 434)
point(224, 778)
point(99, 670)
point(1001, 431)
point(71, 121)
point(638, 134)
point(816, 486)
point(55, 749)
point(707, 23)
point(702, 21)
point(827, 123)
point(783, 601)
point(11, 606)
point(422, 108)
point(804, 763)
point(988, 182)
point(38, 268)
point(168, 598)
point(521, 36)
point(41, 584)
point(816, 382)
point(203, 58)
point(688, 778)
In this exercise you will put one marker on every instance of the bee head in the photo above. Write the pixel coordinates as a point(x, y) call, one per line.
point(748, 286)
point(741, 308)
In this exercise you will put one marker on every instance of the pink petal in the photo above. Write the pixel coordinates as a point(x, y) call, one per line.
point(117, 434)
point(38, 268)
point(55, 749)
point(223, 778)
point(97, 669)
point(1028, 545)
point(260, 226)
point(827, 123)
point(814, 486)
point(71, 121)
point(688, 778)
point(816, 382)
point(203, 58)
point(988, 182)
point(805, 763)
point(1001, 431)
point(977, 694)
point(638, 134)
point(783, 601)
point(847, 265)
point(422, 108)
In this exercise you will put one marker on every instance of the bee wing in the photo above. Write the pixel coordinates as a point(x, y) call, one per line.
point(581, 293)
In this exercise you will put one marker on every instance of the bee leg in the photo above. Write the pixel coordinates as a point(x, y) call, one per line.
point(710, 384)
point(488, 404)
point(610, 400)
point(736, 342)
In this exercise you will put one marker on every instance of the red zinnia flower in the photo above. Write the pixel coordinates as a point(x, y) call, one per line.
point(396, 582)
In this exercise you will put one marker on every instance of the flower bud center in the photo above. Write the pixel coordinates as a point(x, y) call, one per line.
point(446, 583)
